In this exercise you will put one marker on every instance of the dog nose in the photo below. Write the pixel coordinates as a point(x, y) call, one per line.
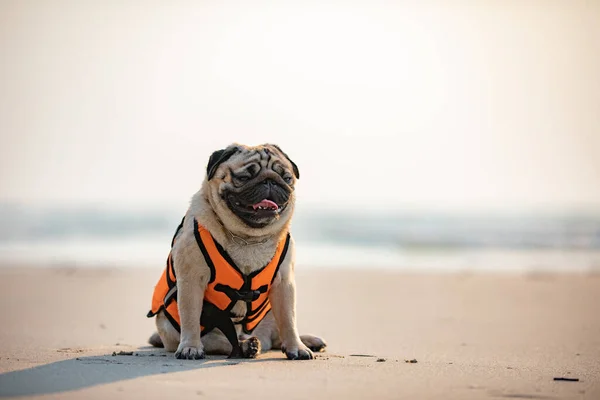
point(269, 182)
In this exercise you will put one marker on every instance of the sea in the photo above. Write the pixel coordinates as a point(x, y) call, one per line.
point(84, 237)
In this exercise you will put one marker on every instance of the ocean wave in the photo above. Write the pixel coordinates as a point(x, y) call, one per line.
point(352, 228)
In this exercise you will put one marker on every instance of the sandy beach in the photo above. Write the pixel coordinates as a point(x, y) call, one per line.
point(446, 164)
point(473, 336)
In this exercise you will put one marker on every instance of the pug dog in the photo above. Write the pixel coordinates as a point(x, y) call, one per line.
point(228, 287)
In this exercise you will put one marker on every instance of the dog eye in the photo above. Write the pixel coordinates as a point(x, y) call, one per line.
point(287, 179)
point(243, 178)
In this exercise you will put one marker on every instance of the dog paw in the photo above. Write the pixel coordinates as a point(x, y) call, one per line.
point(315, 343)
point(189, 353)
point(250, 347)
point(297, 352)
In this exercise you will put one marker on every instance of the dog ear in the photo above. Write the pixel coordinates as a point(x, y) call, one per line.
point(294, 166)
point(217, 158)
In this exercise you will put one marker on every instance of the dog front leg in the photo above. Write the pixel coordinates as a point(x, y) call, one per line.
point(283, 303)
point(190, 293)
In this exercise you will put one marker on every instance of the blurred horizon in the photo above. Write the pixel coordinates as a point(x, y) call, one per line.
point(97, 237)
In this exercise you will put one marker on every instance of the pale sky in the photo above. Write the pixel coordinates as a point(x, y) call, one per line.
point(433, 105)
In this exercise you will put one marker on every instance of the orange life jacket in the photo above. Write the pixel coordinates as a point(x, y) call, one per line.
point(227, 286)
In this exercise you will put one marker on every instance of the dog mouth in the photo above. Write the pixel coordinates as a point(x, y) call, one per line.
point(256, 215)
point(260, 204)
point(265, 204)
point(265, 207)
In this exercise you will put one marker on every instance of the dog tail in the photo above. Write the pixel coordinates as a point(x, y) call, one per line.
point(155, 340)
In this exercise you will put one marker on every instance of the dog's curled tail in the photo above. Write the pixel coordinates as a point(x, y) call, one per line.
point(155, 340)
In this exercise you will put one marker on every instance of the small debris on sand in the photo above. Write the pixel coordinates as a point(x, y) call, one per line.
point(361, 355)
point(326, 356)
point(69, 350)
point(561, 378)
point(413, 361)
point(381, 360)
point(122, 353)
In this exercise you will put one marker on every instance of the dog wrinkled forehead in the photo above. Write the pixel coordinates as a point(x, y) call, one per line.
point(238, 155)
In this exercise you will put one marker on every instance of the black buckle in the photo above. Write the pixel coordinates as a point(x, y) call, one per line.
point(247, 296)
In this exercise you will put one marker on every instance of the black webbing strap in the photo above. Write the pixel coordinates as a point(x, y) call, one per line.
point(212, 317)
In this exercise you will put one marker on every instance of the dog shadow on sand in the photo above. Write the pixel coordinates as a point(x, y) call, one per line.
point(83, 372)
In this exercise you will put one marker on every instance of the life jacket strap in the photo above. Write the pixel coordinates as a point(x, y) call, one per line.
point(212, 317)
point(247, 296)
point(170, 296)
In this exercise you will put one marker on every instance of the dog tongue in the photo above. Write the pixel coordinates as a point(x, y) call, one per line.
point(266, 204)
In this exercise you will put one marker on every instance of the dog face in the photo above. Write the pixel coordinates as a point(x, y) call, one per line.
point(252, 185)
